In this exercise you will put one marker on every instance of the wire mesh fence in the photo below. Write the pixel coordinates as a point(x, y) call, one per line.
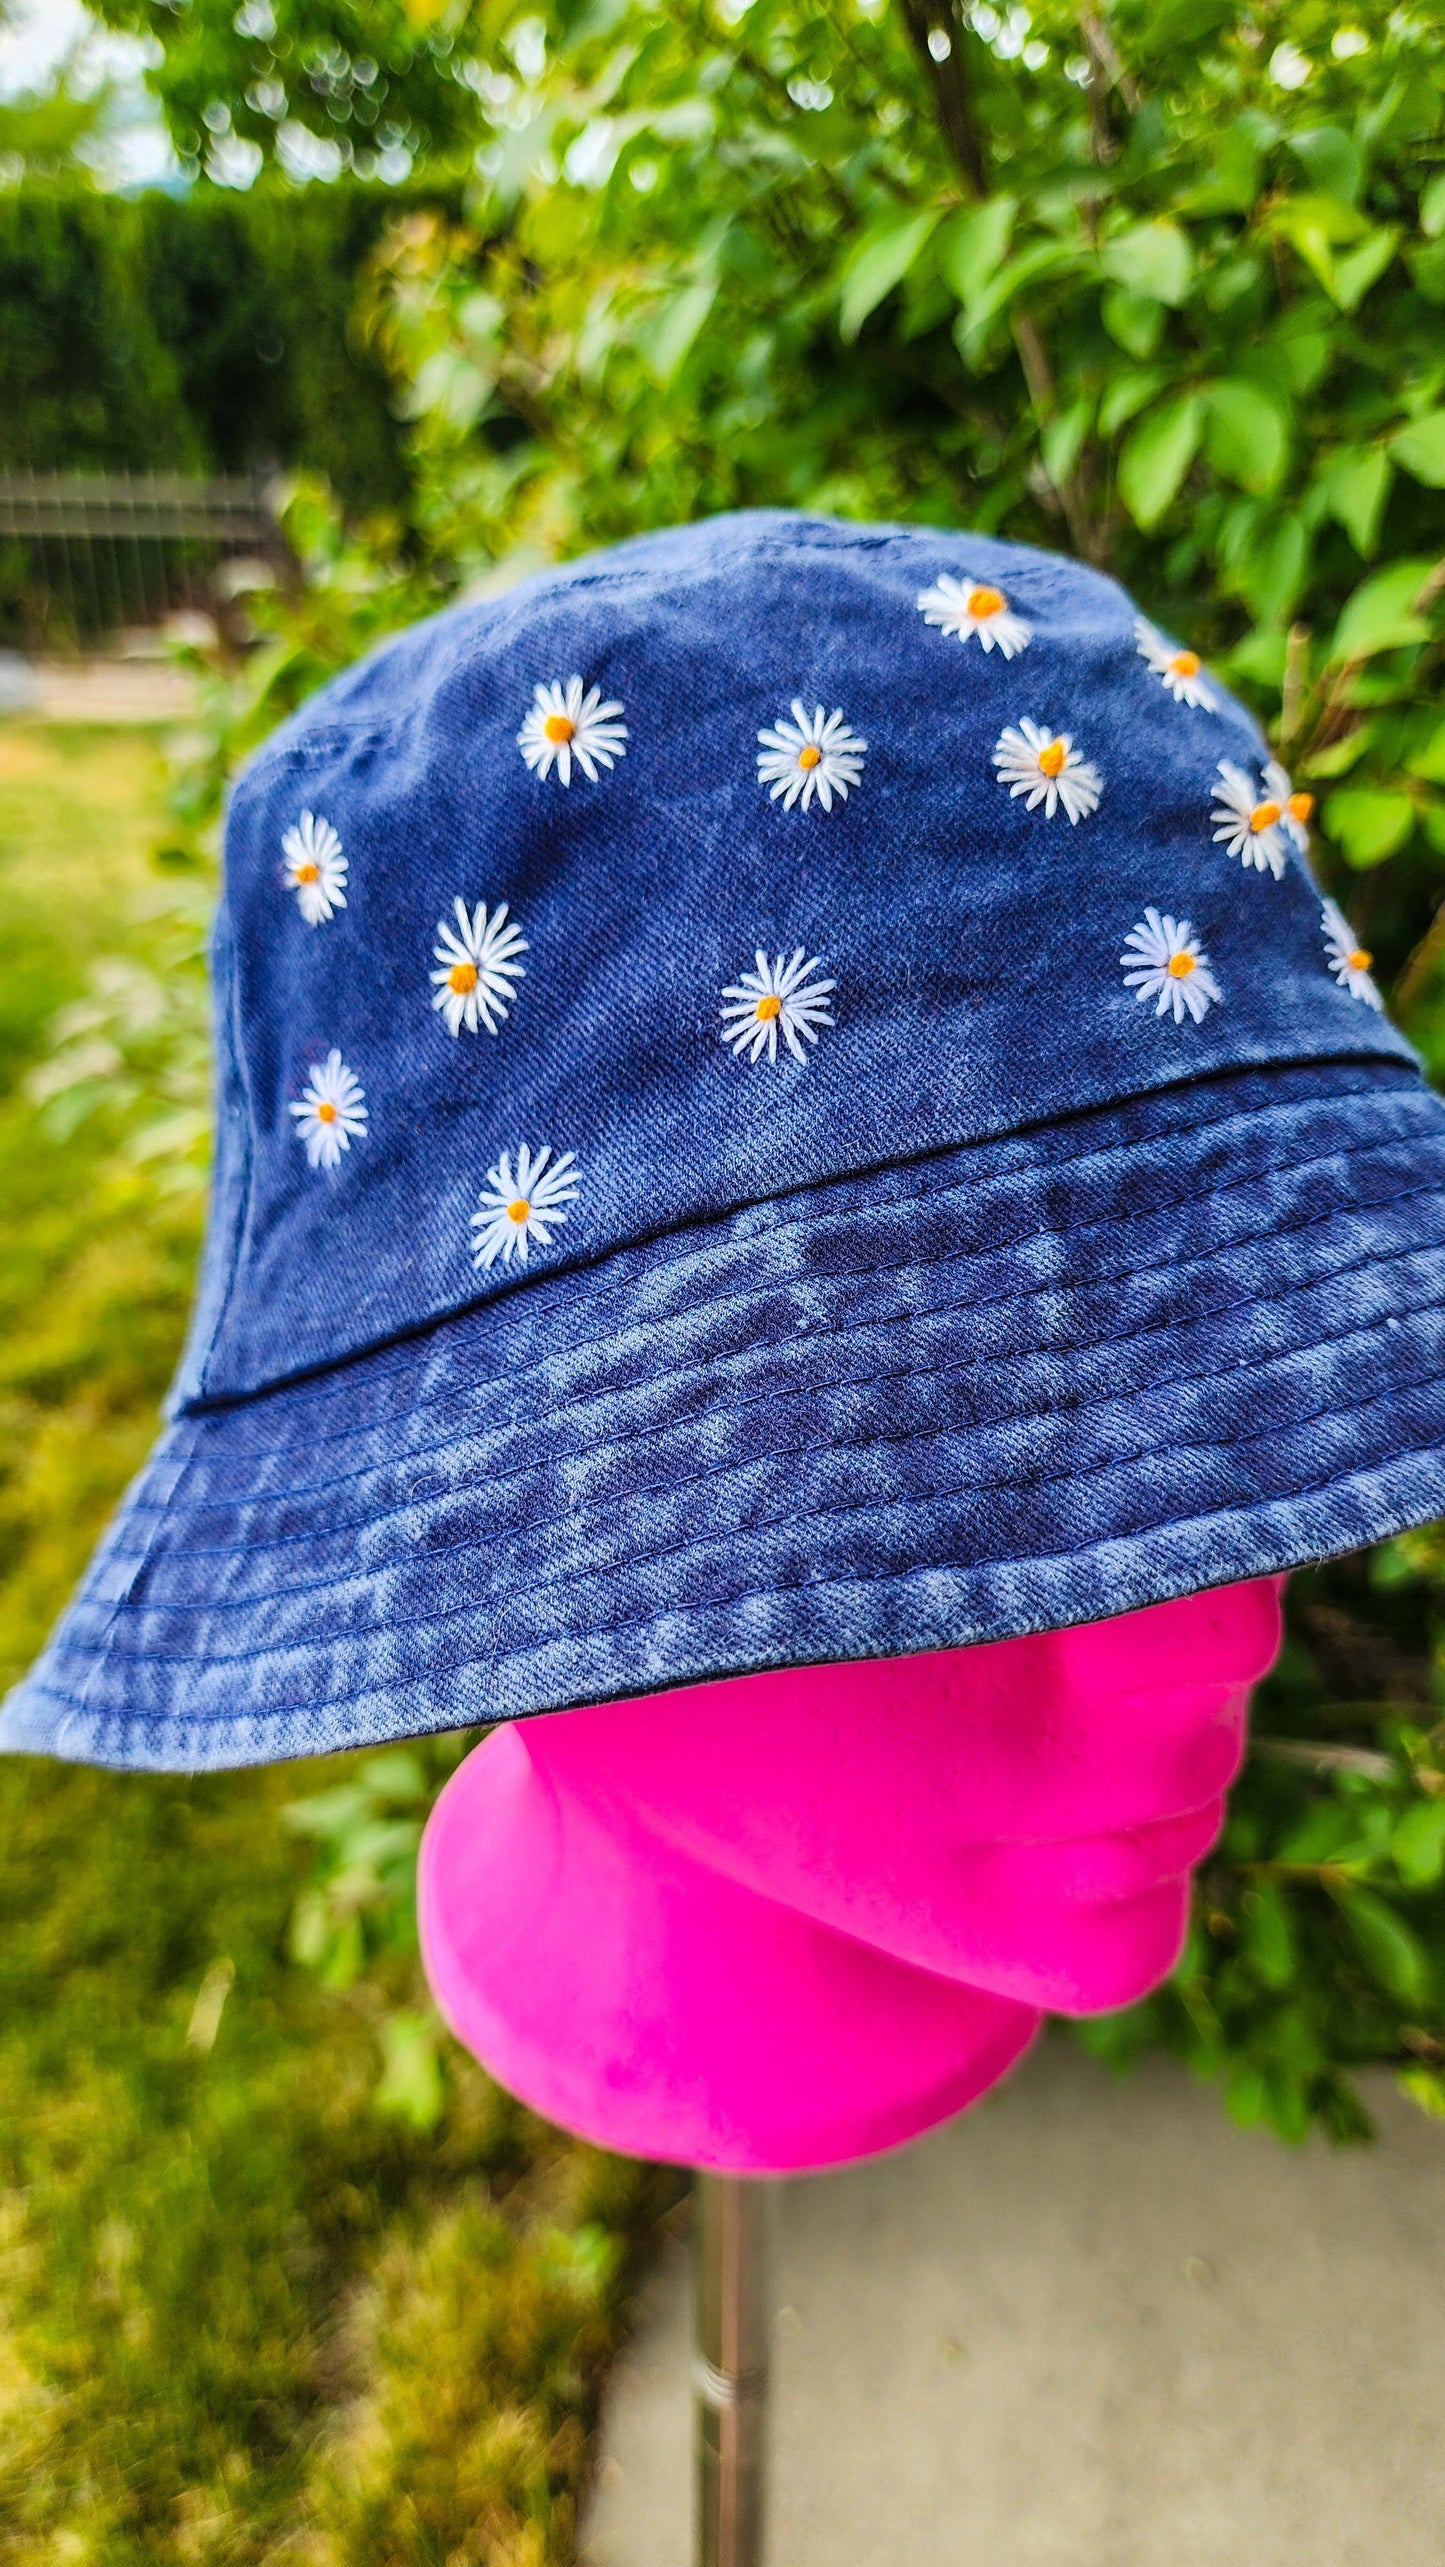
point(85, 555)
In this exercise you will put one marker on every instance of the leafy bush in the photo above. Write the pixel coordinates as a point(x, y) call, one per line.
point(209, 332)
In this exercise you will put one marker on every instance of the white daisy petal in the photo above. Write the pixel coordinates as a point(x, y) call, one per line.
point(1177, 669)
point(567, 724)
point(964, 607)
point(479, 968)
point(330, 1113)
point(815, 753)
point(779, 997)
point(314, 868)
point(1248, 823)
point(1045, 767)
point(514, 1210)
point(1164, 960)
point(1295, 808)
point(1349, 960)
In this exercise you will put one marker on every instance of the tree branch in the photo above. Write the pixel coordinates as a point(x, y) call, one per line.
point(1106, 74)
point(948, 79)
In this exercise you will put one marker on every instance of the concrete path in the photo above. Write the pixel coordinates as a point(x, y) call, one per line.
point(1089, 2325)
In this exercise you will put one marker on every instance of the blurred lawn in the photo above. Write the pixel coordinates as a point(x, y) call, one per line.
point(243, 2316)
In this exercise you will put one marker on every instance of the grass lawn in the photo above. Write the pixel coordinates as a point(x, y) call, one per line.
point(244, 2314)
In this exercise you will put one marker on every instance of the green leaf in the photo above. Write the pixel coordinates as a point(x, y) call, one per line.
point(1062, 439)
point(1368, 825)
point(972, 246)
point(1135, 321)
point(1341, 754)
point(1427, 271)
point(1157, 456)
point(1359, 269)
point(1126, 394)
point(1314, 226)
point(1331, 158)
point(1303, 355)
point(1266, 1934)
point(1260, 657)
point(1318, 226)
point(668, 333)
point(1289, 2106)
point(1042, 259)
point(1425, 2087)
point(410, 2086)
point(1233, 180)
point(1432, 208)
point(1247, 434)
point(1327, 1833)
point(1392, 1952)
point(1379, 617)
point(1182, 22)
point(1429, 762)
point(1418, 1845)
point(1275, 568)
point(394, 1774)
point(1355, 485)
point(1246, 2094)
point(1153, 259)
point(881, 260)
point(1421, 449)
point(1431, 816)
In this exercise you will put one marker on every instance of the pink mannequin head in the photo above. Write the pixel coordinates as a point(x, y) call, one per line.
point(788, 1918)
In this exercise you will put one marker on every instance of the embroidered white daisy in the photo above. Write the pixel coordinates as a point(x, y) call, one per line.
point(315, 868)
point(1349, 960)
point(1046, 768)
point(1179, 670)
point(968, 606)
point(1248, 822)
point(566, 724)
point(815, 753)
point(1294, 808)
point(778, 998)
point(479, 968)
point(331, 1112)
point(514, 1209)
point(1163, 959)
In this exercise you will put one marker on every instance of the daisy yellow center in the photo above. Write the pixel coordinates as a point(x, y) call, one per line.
point(1264, 815)
point(308, 873)
point(462, 979)
point(1185, 664)
point(810, 757)
point(984, 602)
point(326, 1111)
point(1180, 966)
point(559, 728)
point(519, 1211)
point(1361, 959)
point(1051, 759)
point(1299, 806)
point(769, 1007)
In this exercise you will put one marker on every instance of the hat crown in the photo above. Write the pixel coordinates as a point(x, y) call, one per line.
point(761, 852)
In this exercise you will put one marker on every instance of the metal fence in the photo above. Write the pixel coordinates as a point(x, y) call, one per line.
point(83, 554)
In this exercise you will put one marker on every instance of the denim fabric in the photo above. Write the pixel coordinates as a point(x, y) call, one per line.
point(1134, 1351)
point(1016, 1302)
point(975, 944)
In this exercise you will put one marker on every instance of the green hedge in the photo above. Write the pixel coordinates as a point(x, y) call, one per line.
point(207, 332)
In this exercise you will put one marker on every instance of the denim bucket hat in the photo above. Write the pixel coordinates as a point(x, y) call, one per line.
point(785, 1094)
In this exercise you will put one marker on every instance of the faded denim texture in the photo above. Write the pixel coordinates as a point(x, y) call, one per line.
point(1015, 1306)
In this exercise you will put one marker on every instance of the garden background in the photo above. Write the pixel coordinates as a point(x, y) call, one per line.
point(280, 2274)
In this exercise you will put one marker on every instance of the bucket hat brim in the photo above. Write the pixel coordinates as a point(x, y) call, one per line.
point(1039, 1380)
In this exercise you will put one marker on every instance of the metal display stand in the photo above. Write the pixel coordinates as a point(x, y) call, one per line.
point(730, 2369)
